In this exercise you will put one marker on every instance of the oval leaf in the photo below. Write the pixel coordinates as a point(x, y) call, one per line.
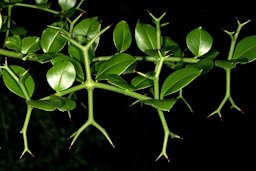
point(199, 41)
point(61, 76)
point(25, 77)
point(179, 79)
point(30, 44)
point(246, 48)
point(87, 27)
point(77, 65)
point(13, 43)
point(52, 41)
point(145, 36)
point(122, 36)
point(164, 105)
point(66, 4)
point(115, 65)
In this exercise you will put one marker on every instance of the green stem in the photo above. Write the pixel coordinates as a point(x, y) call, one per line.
point(11, 54)
point(37, 7)
point(24, 132)
point(29, 109)
point(153, 59)
point(121, 91)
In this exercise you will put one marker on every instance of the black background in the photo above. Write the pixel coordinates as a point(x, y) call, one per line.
point(208, 143)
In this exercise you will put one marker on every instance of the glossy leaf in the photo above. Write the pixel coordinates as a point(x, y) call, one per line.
point(139, 82)
point(25, 78)
point(61, 75)
point(88, 27)
point(53, 103)
point(179, 79)
point(115, 65)
point(75, 53)
point(122, 36)
point(145, 36)
point(66, 4)
point(52, 41)
point(199, 41)
point(164, 105)
point(119, 82)
point(77, 65)
point(30, 44)
point(13, 43)
point(246, 48)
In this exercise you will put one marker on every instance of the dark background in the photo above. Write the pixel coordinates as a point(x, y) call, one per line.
point(208, 143)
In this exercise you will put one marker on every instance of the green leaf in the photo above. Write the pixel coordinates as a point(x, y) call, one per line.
point(75, 53)
point(52, 41)
point(86, 30)
point(119, 82)
point(13, 43)
point(77, 65)
point(164, 105)
point(145, 36)
point(122, 36)
point(66, 4)
point(53, 103)
point(115, 65)
point(25, 78)
point(246, 48)
point(61, 75)
point(139, 82)
point(88, 27)
point(230, 64)
point(199, 41)
point(179, 79)
point(21, 31)
point(41, 1)
point(206, 65)
point(171, 46)
point(46, 105)
point(30, 44)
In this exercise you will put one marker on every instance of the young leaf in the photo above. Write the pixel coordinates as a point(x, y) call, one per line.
point(30, 44)
point(14, 43)
point(13, 86)
point(61, 76)
point(115, 65)
point(122, 36)
point(246, 48)
point(66, 4)
point(139, 82)
point(165, 104)
point(52, 41)
point(119, 82)
point(145, 36)
point(199, 41)
point(179, 79)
